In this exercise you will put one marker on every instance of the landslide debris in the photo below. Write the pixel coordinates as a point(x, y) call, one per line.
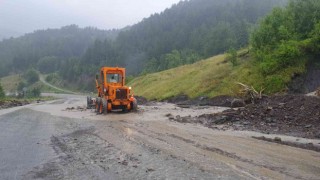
point(184, 101)
point(296, 115)
point(144, 101)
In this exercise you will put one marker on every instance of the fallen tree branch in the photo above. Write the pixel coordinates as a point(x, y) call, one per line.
point(249, 92)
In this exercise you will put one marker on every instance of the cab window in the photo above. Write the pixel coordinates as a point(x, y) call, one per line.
point(114, 78)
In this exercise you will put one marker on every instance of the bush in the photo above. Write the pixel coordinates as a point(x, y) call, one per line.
point(52, 77)
point(2, 94)
point(21, 85)
point(274, 84)
point(233, 57)
point(35, 92)
point(287, 54)
point(269, 67)
point(315, 39)
point(32, 76)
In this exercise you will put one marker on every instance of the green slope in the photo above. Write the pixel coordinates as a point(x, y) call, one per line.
point(211, 77)
point(10, 83)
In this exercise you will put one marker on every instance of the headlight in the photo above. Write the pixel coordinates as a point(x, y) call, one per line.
point(130, 88)
point(105, 90)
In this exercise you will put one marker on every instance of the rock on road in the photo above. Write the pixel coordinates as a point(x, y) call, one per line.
point(45, 141)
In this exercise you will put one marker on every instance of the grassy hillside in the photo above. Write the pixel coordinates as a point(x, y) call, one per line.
point(10, 83)
point(211, 77)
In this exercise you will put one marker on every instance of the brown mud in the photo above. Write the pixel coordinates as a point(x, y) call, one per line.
point(294, 115)
point(185, 102)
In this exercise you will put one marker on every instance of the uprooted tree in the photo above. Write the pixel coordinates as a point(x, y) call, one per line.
point(249, 93)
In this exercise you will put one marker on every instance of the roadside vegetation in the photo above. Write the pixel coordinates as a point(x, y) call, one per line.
point(285, 41)
point(211, 77)
point(282, 46)
point(2, 94)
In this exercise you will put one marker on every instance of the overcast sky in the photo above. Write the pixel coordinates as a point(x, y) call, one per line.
point(21, 16)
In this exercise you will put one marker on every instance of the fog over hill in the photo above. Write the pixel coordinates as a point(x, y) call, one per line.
point(25, 16)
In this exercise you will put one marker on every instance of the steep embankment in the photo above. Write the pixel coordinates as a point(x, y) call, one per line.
point(211, 77)
point(217, 76)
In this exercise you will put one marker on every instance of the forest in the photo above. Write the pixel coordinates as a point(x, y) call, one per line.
point(183, 34)
point(46, 50)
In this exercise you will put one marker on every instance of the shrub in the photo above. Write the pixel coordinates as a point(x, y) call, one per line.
point(232, 57)
point(287, 54)
point(21, 85)
point(2, 94)
point(274, 84)
point(32, 76)
point(35, 92)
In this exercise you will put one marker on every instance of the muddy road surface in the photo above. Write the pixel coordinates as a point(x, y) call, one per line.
point(52, 140)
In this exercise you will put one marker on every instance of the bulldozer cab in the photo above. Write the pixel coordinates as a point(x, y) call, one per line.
point(112, 76)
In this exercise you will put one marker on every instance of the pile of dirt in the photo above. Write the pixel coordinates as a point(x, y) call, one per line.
point(13, 103)
point(185, 102)
point(141, 100)
point(295, 115)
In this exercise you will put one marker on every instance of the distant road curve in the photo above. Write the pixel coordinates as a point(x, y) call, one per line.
point(42, 79)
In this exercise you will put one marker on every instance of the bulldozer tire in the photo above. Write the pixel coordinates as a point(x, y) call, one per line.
point(134, 105)
point(104, 106)
point(89, 104)
point(98, 102)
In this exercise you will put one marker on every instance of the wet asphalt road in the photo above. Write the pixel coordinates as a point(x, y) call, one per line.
point(46, 141)
point(24, 142)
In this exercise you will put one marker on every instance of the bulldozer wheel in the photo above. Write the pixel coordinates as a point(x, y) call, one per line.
point(134, 105)
point(89, 104)
point(98, 101)
point(104, 106)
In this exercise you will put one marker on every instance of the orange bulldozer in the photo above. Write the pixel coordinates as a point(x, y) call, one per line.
point(112, 92)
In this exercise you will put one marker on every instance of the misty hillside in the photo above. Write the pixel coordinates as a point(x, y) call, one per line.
point(4, 33)
point(19, 54)
point(183, 34)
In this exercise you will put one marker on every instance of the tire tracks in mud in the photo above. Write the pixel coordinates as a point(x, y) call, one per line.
point(156, 136)
point(83, 154)
point(234, 156)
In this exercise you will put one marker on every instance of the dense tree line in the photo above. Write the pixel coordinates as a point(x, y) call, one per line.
point(47, 49)
point(187, 32)
point(287, 39)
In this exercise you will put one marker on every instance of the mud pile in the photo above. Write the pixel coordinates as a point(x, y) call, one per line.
point(141, 100)
point(185, 101)
point(295, 115)
point(12, 103)
point(144, 101)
